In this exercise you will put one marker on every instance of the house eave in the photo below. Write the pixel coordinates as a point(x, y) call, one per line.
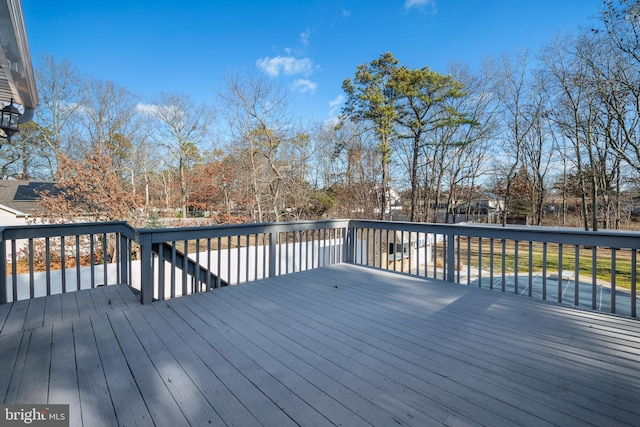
point(17, 213)
point(17, 79)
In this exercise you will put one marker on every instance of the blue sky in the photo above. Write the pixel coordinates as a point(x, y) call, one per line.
point(155, 46)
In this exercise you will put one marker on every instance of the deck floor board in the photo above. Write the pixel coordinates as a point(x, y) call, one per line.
point(188, 397)
point(85, 302)
point(390, 359)
point(34, 317)
point(161, 405)
point(230, 408)
point(4, 312)
point(261, 348)
point(373, 400)
point(95, 400)
point(260, 405)
point(16, 317)
point(19, 363)
point(69, 306)
point(100, 299)
point(52, 310)
point(259, 374)
point(341, 345)
point(126, 398)
point(63, 376)
point(10, 345)
point(412, 345)
point(36, 368)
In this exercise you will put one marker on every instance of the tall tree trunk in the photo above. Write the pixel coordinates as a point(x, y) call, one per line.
point(594, 188)
point(183, 190)
point(383, 195)
point(254, 187)
point(414, 178)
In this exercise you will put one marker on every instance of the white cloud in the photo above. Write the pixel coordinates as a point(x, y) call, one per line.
point(304, 86)
point(335, 104)
point(421, 5)
point(304, 37)
point(286, 65)
point(147, 109)
point(346, 13)
point(336, 101)
point(163, 112)
point(331, 122)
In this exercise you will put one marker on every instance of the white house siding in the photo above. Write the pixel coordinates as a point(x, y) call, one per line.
point(9, 217)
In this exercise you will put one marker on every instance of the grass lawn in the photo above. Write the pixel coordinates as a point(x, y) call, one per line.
point(603, 264)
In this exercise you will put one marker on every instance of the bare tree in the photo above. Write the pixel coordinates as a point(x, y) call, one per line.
point(569, 96)
point(621, 20)
point(537, 145)
point(264, 135)
point(182, 128)
point(511, 87)
point(470, 145)
point(587, 111)
point(108, 118)
point(26, 157)
point(354, 172)
point(59, 90)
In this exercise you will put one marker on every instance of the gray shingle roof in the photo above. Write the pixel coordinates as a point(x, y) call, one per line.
point(20, 195)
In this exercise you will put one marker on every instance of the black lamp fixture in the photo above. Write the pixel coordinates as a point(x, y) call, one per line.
point(9, 116)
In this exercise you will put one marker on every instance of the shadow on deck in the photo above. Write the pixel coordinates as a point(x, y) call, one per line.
point(340, 345)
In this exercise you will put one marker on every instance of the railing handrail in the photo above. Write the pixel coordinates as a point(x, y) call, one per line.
point(225, 230)
point(626, 239)
point(615, 238)
point(34, 231)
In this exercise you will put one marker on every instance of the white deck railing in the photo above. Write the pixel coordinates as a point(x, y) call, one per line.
point(595, 270)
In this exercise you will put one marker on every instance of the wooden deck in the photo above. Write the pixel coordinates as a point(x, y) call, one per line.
point(342, 345)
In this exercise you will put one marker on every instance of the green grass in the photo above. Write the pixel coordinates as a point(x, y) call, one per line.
point(602, 265)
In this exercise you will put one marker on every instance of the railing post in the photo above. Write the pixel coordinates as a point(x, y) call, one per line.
point(146, 268)
point(634, 259)
point(125, 258)
point(3, 271)
point(348, 244)
point(450, 261)
point(272, 252)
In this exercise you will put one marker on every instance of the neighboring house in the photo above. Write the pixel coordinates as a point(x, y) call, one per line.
point(18, 200)
point(394, 203)
point(483, 203)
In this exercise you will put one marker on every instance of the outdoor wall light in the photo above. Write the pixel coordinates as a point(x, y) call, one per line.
point(9, 116)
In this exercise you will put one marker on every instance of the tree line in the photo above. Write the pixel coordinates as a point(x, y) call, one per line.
point(553, 134)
